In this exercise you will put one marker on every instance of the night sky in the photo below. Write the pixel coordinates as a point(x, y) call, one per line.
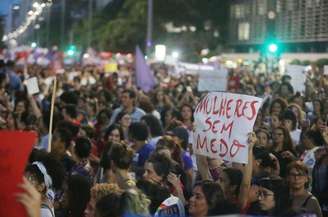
point(5, 5)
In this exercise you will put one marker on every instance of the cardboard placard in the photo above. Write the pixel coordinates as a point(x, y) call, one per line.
point(32, 85)
point(298, 77)
point(14, 151)
point(213, 80)
point(223, 122)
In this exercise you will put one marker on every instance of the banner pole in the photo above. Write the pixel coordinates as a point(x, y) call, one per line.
point(53, 97)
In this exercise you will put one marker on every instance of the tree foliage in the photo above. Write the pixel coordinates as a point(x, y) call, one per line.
point(123, 23)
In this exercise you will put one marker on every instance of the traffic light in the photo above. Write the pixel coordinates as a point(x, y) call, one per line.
point(272, 48)
point(71, 51)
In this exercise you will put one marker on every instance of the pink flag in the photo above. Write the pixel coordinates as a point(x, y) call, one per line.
point(144, 77)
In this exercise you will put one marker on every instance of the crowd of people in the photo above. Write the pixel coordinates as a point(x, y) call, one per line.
point(117, 151)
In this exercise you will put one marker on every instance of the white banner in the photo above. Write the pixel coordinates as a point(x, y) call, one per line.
point(223, 121)
point(213, 80)
point(325, 70)
point(298, 75)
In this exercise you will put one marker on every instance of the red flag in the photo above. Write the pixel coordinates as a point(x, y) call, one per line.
point(15, 147)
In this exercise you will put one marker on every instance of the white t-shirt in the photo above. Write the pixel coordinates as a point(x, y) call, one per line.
point(46, 212)
point(308, 158)
point(295, 135)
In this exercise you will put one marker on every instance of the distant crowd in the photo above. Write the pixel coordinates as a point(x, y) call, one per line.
point(118, 151)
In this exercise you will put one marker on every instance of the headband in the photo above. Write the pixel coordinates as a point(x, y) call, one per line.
point(43, 170)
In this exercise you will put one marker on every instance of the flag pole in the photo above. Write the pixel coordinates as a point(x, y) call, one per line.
point(53, 97)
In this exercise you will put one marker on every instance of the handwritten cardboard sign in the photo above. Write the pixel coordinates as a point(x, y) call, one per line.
point(213, 80)
point(325, 70)
point(223, 121)
point(111, 67)
point(298, 77)
point(14, 151)
point(32, 86)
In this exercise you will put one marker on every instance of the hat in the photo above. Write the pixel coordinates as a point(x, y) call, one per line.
point(182, 134)
point(260, 153)
point(286, 77)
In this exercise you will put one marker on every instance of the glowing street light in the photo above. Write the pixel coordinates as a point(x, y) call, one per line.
point(175, 54)
point(33, 45)
point(36, 4)
point(16, 7)
point(273, 47)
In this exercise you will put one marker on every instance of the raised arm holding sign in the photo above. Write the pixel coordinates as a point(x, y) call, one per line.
point(223, 122)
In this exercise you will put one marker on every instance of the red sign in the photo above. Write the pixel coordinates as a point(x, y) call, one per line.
point(15, 147)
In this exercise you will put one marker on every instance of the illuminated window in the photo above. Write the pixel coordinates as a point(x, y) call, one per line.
point(243, 31)
point(261, 9)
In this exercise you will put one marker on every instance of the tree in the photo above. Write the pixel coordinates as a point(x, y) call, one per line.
point(122, 25)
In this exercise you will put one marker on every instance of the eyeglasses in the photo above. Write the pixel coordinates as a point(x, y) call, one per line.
point(263, 194)
point(296, 174)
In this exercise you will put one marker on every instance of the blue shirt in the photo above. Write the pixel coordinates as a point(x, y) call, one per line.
point(143, 154)
point(187, 161)
point(136, 114)
point(139, 159)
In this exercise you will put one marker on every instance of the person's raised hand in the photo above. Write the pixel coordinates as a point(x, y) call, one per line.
point(325, 134)
point(288, 155)
point(252, 140)
point(173, 179)
point(30, 198)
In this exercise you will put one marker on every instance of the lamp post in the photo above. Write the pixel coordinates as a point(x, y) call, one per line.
point(62, 25)
point(90, 14)
point(149, 41)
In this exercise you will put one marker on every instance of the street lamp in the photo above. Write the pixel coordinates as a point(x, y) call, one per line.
point(36, 5)
point(175, 54)
point(16, 7)
point(33, 45)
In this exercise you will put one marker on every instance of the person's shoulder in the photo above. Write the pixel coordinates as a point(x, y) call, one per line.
point(117, 110)
point(312, 203)
point(149, 146)
point(46, 211)
point(139, 110)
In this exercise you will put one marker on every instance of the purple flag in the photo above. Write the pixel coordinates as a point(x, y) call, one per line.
point(144, 77)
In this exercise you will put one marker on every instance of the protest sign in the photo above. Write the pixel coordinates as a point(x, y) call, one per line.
point(223, 121)
point(325, 70)
point(14, 151)
point(32, 86)
point(213, 80)
point(111, 67)
point(298, 77)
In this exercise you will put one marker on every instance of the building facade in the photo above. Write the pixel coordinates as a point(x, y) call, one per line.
point(300, 25)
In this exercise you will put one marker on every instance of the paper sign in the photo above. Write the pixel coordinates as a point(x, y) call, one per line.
point(110, 67)
point(213, 80)
point(223, 121)
point(14, 151)
point(298, 75)
point(325, 70)
point(32, 86)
